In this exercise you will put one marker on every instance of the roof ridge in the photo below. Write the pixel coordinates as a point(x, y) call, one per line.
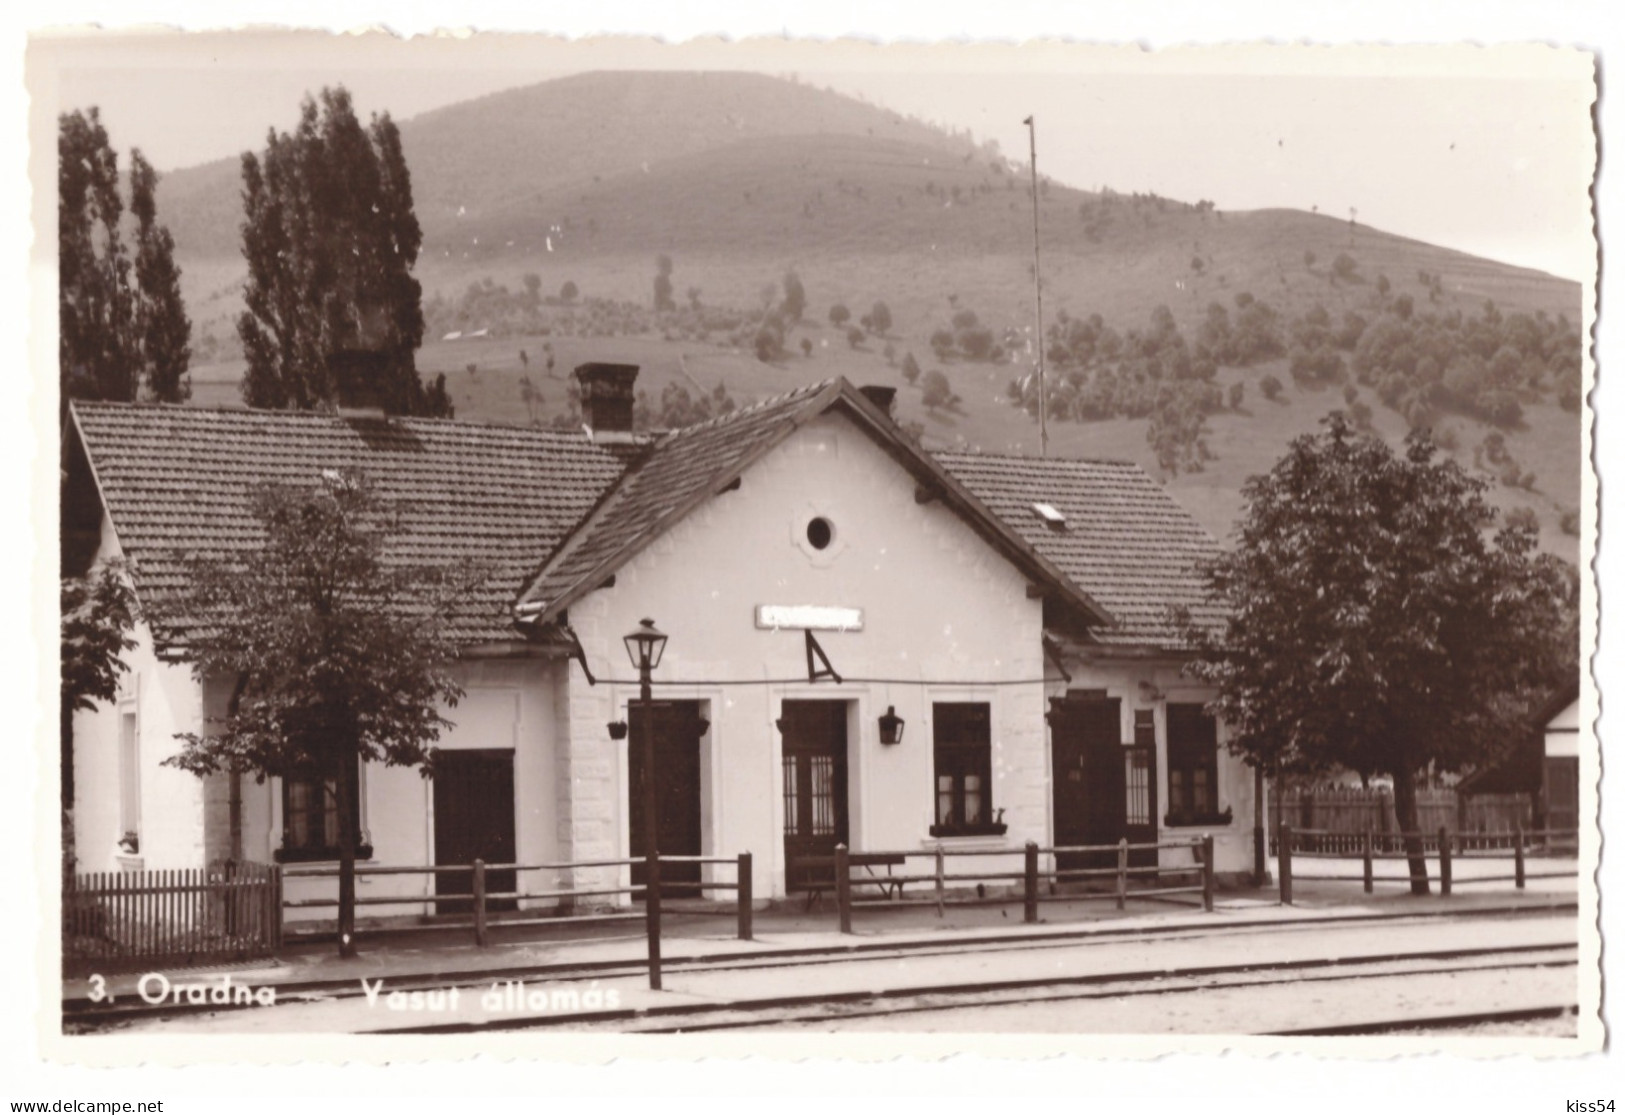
point(330, 417)
point(1026, 459)
point(805, 391)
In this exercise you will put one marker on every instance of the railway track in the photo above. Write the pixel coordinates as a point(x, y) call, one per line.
point(901, 1001)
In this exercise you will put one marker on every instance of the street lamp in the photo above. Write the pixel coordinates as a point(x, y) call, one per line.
point(645, 646)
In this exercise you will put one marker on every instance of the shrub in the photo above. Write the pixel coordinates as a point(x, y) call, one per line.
point(1271, 387)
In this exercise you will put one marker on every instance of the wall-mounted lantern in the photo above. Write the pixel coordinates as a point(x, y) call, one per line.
point(891, 726)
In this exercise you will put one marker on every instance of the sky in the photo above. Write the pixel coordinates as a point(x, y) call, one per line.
point(1490, 152)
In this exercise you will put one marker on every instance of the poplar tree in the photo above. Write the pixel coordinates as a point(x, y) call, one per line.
point(123, 323)
point(330, 238)
point(161, 323)
point(97, 344)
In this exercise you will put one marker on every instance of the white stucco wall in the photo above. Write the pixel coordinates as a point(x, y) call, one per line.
point(166, 699)
point(1563, 733)
point(939, 607)
point(1121, 679)
point(508, 704)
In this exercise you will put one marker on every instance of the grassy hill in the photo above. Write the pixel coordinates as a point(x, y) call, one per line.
point(738, 178)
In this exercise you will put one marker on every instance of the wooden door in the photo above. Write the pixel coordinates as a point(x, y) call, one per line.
point(1562, 791)
point(1088, 765)
point(814, 788)
point(473, 819)
point(678, 727)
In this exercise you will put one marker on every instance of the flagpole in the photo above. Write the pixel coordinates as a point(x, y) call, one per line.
point(1038, 295)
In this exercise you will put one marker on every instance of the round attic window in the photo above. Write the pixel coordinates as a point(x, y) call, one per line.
point(820, 533)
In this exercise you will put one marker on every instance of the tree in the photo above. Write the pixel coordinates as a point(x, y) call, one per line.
point(663, 298)
point(911, 367)
point(97, 337)
point(795, 297)
point(1373, 623)
point(880, 322)
point(123, 324)
point(98, 615)
point(331, 239)
point(839, 315)
point(569, 292)
point(1271, 387)
point(336, 655)
point(161, 323)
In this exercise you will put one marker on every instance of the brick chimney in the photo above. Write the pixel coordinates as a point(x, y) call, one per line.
point(606, 396)
point(880, 395)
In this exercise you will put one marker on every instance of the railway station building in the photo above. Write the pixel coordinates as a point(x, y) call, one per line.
point(869, 643)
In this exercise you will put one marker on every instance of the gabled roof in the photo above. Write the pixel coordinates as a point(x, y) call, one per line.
point(177, 481)
point(688, 466)
point(551, 515)
point(1124, 540)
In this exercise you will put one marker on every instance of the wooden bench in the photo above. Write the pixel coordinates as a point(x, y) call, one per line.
point(823, 877)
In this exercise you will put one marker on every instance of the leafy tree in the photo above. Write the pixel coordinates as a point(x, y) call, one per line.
point(911, 367)
point(936, 392)
point(98, 615)
point(795, 297)
point(1270, 387)
point(569, 292)
point(880, 321)
point(1372, 622)
point(337, 655)
point(165, 331)
point(331, 239)
point(839, 315)
point(663, 298)
point(122, 322)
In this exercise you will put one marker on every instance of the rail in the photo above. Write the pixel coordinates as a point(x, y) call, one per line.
point(1447, 847)
point(1029, 877)
point(480, 896)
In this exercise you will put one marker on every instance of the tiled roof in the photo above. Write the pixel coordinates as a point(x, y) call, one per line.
point(1125, 541)
point(177, 481)
point(685, 466)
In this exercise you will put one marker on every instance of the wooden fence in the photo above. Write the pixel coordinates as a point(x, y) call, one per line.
point(1512, 849)
point(115, 921)
point(566, 901)
point(1350, 811)
point(1122, 881)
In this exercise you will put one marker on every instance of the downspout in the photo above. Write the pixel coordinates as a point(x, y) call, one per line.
point(235, 776)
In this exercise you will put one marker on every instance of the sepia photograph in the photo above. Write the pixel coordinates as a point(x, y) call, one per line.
point(936, 547)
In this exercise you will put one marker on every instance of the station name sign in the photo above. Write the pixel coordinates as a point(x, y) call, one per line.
point(808, 617)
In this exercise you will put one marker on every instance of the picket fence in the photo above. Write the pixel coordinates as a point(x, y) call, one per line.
point(112, 921)
point(1352, 810)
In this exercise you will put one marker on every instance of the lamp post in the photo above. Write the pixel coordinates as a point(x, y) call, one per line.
point(644, 646)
